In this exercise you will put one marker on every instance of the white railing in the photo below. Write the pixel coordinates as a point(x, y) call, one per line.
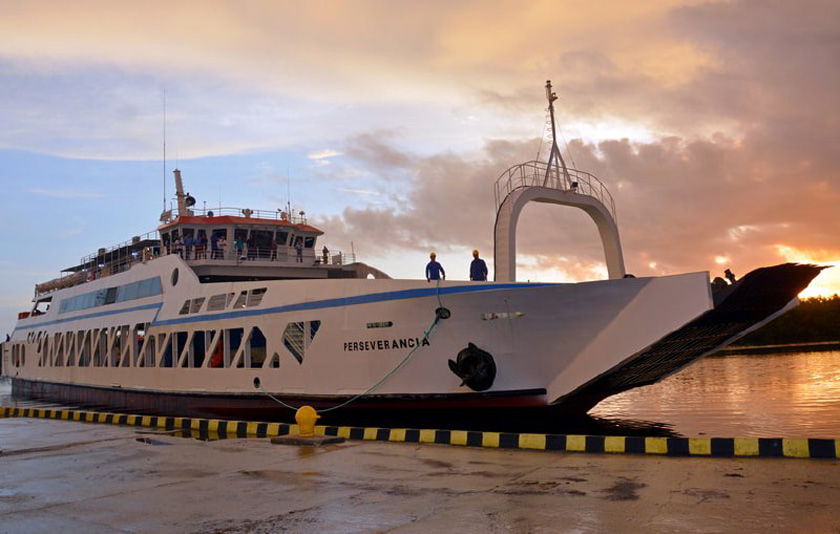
point(119, 258)
point(226, 211)
point(539, 174)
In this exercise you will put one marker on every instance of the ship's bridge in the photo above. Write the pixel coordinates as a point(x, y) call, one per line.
point(237, 244)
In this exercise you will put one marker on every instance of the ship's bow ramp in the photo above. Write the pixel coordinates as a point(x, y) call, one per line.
point(758, 298)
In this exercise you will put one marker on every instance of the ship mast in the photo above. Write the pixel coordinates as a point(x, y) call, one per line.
point(185, 200)
point(555, 155)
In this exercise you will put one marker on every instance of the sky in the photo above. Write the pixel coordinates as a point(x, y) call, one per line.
point(714, 124)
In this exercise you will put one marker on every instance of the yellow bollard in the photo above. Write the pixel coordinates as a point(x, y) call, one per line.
point(306, 417)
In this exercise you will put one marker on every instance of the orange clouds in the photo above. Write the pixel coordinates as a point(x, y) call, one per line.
point(714, 124)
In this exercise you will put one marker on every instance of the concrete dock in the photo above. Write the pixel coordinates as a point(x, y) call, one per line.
point(76, 477)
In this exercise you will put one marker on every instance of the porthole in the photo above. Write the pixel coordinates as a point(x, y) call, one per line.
point(174, 277)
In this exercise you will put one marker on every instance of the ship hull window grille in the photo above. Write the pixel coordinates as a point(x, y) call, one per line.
point(83, 340)
point(216, 349)
point(167, 346)
point(240, 348)
point(233, 340)
point(182, 348)
point(70, 344)
point(58, 343)
point(150, 351)
point(39, 352)
point(136, 350)
point(293, 339)
point(101, 348)
point(116, 346)
point(258, 347)
point(240, 300)
point(185, 308)
point(313, 329)
point(197, 349)
point(54, 349)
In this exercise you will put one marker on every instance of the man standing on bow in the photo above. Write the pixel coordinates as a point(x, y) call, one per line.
point(434, 270)
point(478, 269)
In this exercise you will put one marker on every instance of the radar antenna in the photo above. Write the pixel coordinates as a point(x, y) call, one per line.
point(555, 157)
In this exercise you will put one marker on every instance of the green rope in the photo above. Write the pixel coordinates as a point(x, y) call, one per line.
point(382, 380)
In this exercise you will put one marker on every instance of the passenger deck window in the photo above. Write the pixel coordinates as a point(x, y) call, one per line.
point(196, 305)
point(219, 302)
point(255, 296)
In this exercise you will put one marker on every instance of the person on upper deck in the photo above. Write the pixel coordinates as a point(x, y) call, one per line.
point(214, 246)
point(201, 246)
point(189, 242)
point(299, 249)
point(434, 270)
point(478, 269)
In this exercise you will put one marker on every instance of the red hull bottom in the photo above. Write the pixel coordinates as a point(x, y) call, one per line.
point(261, 407)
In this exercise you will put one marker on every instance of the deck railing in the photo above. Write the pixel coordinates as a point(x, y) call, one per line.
point(227, 211)
point(538, 173)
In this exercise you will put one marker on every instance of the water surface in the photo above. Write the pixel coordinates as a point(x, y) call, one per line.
point(786, 395)
point(772, 395)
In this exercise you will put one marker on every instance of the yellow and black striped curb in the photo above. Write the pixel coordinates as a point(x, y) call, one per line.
point(666, 446)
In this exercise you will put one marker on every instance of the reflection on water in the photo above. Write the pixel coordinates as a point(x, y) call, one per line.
point(777, 395)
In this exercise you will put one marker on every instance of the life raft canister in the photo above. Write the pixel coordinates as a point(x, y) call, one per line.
point(475, 368)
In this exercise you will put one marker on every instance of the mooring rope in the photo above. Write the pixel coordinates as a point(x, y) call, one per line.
point(382, 380)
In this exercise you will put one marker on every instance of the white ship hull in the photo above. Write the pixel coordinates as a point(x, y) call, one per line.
point(546, 340)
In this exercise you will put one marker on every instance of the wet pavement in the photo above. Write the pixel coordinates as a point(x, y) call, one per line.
point(76, 477)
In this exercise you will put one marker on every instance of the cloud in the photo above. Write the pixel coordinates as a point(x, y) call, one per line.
point(367, 192)
point(682, 206)
point(714, 124)
point(55, 193)
point(322, 157)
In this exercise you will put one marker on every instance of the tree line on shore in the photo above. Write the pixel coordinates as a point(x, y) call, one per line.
point(814, 320)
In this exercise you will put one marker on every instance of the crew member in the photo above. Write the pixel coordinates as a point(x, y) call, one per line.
point(478, 269)
point(434, 270)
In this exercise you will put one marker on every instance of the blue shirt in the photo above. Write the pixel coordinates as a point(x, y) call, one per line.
point(434, 270)
point(478, 270)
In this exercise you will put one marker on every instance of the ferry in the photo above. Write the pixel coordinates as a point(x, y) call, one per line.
point(237, 313)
